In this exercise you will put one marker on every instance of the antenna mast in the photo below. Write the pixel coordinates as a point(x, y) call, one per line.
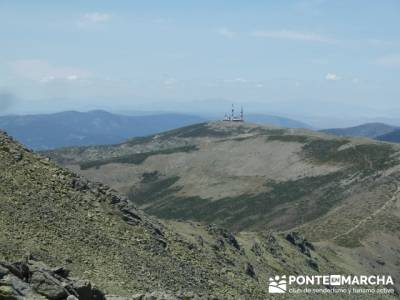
point(232, 118)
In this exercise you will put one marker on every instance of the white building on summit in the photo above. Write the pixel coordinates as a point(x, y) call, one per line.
point(232, 118)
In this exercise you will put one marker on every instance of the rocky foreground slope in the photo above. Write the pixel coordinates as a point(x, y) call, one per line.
point(61, 219)
point(34, 280)
point(342, 193)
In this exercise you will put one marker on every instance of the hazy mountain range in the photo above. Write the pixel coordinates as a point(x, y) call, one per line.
point(276, 121)
point(392, 136)
point(371, 130)
point(98, 127)
point(71, 128)
point(377, 131)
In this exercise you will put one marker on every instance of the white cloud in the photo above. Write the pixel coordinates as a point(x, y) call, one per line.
point(44, 72)
point(47, 79)
point(293, 36)
point(96, 17)
point(236, 80)
point(226, 32)
point(240, 80)
point(169, 82)
point(332, 77)
point(93, 18)
point(389, 61)
point(72, 77)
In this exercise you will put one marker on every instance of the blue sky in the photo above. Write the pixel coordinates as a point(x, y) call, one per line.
point(325, 62)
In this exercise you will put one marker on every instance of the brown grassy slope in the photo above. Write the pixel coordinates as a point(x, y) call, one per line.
point(243, 176)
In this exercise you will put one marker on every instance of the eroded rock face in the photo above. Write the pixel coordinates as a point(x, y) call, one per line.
point(249, 270)
point(34, 280)
point(223, 236)
point(129, 213)
point(48, 286)
point(298, 240)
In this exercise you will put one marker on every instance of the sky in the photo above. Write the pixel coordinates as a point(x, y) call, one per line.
point(328, 63)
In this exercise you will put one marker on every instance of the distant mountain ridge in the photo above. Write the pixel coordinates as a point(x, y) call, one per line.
point(276, 120)
point(393, 136)
point(72, 128)
point(370, 130)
